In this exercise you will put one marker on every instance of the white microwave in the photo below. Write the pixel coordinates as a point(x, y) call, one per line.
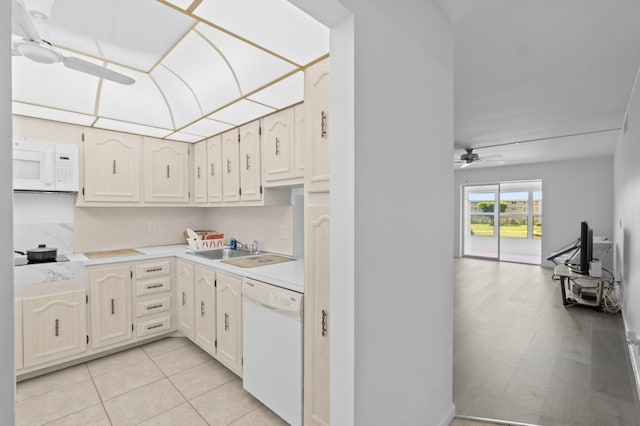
point(43, 166)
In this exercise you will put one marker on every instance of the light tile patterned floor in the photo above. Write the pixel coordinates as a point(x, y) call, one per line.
point(168, 382)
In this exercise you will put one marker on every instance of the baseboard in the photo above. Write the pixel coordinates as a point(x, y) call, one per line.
point(634, 363)
point(449, 416)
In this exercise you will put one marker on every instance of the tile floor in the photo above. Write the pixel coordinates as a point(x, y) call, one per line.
point(521, 356)
point(168, 382)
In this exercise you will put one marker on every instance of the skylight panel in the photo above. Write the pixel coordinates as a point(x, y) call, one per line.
point(51, 114)
point(241, 112)
point(197, 63)
point(283, 93)
point(180, 97)
point(184, 137)
point(121, 126)
point(207, 127)
point(253, 67)
point(275, 24)
point(141, 102)
point(53, 85)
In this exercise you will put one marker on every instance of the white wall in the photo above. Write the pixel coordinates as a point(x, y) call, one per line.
point(7, 371)
point(626, 221)
point(110, 228)
point(572, 191)
point(403, 143)
point(272, 226)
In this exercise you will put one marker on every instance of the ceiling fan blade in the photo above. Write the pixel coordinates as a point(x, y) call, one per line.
point(492, 157)
point(466, 165)
point(22, 18)
point(97, 70)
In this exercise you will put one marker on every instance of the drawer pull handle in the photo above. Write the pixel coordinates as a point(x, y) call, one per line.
point(198, 172)
point(151, 327)
point(184, 298)
point(213, 169)
point(168, 171)
point(56, 327)
point(113, 307)
point(226, 321)
point(159, 305)
point(155, 286)
point(202, 308)
point(228, 166)
point(248, 162)
point(324, 323)
point(114, 167)
point(154, 269)
point(277, 146)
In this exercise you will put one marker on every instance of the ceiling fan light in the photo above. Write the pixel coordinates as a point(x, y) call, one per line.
point(37, 52)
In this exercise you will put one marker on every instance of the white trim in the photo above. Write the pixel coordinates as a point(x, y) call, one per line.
point(449, 416)
point(634, 362)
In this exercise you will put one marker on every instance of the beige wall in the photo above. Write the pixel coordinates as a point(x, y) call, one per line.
point(35, 129)
point(272, 226)
point(109, 228)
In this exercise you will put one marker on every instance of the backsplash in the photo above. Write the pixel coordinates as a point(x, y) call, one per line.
point(43, 219)
point(272, 226)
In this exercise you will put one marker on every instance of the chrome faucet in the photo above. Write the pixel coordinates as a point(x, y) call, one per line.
point(252, 247)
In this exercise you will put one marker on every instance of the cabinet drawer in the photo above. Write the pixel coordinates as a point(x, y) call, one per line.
point(153, 285)
point(153, 269)
point(154, 326)
point(152, 306)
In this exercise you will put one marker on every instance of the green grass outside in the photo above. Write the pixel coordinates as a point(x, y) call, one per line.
point(507, 231)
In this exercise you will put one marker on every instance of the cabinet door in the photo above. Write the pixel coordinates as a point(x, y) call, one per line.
point(316, 102)
point(205, 316)
point(17, 327)
point(111, 166)
point(250, 165)
point(214, 169)
point(230, 166)
point(54, 327)
point(110, 306)
point(166, 166)
point(185, 284)
point(316, 316)
point(278, 137)
point(200, 176)
point(229, 321)
point(298, 141)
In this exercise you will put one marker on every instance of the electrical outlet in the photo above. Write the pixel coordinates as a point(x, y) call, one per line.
point(152, 226)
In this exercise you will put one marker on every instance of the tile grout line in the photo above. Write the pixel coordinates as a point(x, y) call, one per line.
point(176, 388)
point(245, 415)
point(99, 396)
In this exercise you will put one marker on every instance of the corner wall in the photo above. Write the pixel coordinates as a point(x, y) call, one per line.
point(7, 371)
point(572, 191)
point(626, 221)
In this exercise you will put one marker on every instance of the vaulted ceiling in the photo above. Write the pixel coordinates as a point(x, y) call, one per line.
point(200, 66)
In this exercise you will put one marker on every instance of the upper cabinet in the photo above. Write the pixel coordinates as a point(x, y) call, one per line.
point(214, 169)
point(111, 166)
point(298, 129)
point(316, 120)
point(166, 168)
point(231, 166)
point(250, 167)
point(200, 176)
point(279, 157)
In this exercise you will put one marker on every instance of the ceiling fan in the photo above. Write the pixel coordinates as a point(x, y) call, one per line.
point(34, 47)
point(471, 158)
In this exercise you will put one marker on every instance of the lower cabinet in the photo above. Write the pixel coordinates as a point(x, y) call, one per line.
point(205, 308)
point(54, 327)
point(185, 298)
point(17, 328)
point(110, 306)
point(229, 324)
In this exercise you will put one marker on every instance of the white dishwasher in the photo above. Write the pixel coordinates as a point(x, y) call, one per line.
point(272, 348)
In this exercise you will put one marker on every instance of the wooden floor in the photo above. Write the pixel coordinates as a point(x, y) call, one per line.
point(521, 356)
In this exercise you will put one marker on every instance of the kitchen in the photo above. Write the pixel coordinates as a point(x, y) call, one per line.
point(95, 221)
point(384, 27)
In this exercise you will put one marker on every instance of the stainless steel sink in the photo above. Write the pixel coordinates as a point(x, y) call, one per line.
point(225, 253)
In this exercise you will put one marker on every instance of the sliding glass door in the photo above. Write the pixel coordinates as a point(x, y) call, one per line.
point(503, 221)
